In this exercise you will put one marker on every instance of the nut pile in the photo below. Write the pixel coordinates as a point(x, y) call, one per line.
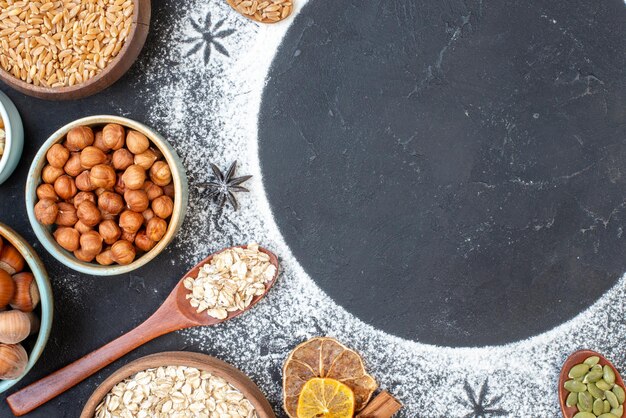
point(54, 43)
point(593, 391)
point(2, 137)
point(18, 291)
point(176, 391)
point(109, 194)
point(265, 11)
point(230, 281)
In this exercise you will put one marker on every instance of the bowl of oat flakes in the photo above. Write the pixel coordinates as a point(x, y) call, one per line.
point(178, 384)
point(69, 49)
point(11, 137)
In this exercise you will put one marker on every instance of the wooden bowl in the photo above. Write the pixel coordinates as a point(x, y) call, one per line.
point(181, 358)
point(574, 359)
point(45, 291)
point(109, 75)
point(179, 179)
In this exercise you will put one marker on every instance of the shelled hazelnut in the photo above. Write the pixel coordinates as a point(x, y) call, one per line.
point(107, 194)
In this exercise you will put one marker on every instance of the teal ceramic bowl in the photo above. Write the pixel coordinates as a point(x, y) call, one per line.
point(44, 233)
point(14, 141)
point(46, 305)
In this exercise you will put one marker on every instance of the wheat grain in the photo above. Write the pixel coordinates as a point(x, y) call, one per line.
point(54, 43)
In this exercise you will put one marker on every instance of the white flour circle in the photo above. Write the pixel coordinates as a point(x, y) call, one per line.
point(207, 106)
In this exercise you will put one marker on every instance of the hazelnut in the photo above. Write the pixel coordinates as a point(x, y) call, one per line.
point(57, 155)
point(88, 213)
point(14, 327)
point(103, 176)
point(35, 322)
point(7, 289)
point(128, 236)
point(122, 159)
point(136, 200)
point(111, 202)
point(113, 136)
point(152, 190)
point(105, 258)
point(157, 152)
point(67, 238)
point(134, 177)
point(109, 231)
point(14, 361)
point(136, 142)
point(163, 207)
point(160, 173)
point(82, 255)
point(83, 182)
point(123, 252)
point(143, 242)
point(73, 167)
point(131, 221)
point(67, 214)
point(79, 138)
point(99, 142)
point(81, 227)
point(46, 211)
point(91, 243)
point(156, 228)
point(65, 187)
point(169, 191)
point(11, 260)
point(46, 191)
point(146, 159)
point(92, 156)
point(49, 174)
point(83, 196)
point(120, 187)
point(147, 215)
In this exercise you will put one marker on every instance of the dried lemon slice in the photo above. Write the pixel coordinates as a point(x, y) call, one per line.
point(325, 398)
point(326, 358)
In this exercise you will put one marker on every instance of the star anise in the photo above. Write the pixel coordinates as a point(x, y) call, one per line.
point(224, 186)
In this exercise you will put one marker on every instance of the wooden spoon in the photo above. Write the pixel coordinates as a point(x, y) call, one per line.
point(574, 359)
point(284, 9)
point(174, 314)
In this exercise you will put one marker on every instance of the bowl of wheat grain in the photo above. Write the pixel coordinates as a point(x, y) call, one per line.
point(69, 49)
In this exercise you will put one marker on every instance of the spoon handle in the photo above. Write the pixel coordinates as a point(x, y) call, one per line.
point(47, 388)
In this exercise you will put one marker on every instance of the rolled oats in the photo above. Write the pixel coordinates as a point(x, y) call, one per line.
point(230, 281)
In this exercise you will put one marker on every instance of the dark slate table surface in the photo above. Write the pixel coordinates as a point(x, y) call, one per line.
point(520, 198)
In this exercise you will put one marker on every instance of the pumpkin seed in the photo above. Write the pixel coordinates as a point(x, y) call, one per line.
point(604, 385)
point(584, 415)
point(598, 407)
point(609, 374)
point(585, 401)
point(610, 396)
point(607, 415)
point(574, 386)
point(618, 411)
point(595, 392)
point(592, 360)
point(619, 393)
point(593, 376)
point(578, 370)
point(572, 399)
point(607, 406)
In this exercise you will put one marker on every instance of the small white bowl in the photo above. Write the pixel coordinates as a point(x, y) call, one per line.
point(14, 141)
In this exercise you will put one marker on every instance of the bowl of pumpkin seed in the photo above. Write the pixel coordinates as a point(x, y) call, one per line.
point(591, 387)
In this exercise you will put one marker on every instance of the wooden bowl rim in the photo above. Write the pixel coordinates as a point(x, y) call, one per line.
point(179, 179)
point(576, 358)
point(47, 301)
point(119, 60)
point(232, 375)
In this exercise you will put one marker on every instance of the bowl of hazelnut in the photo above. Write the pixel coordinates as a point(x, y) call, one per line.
point(25, 307)
point(105, 195)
